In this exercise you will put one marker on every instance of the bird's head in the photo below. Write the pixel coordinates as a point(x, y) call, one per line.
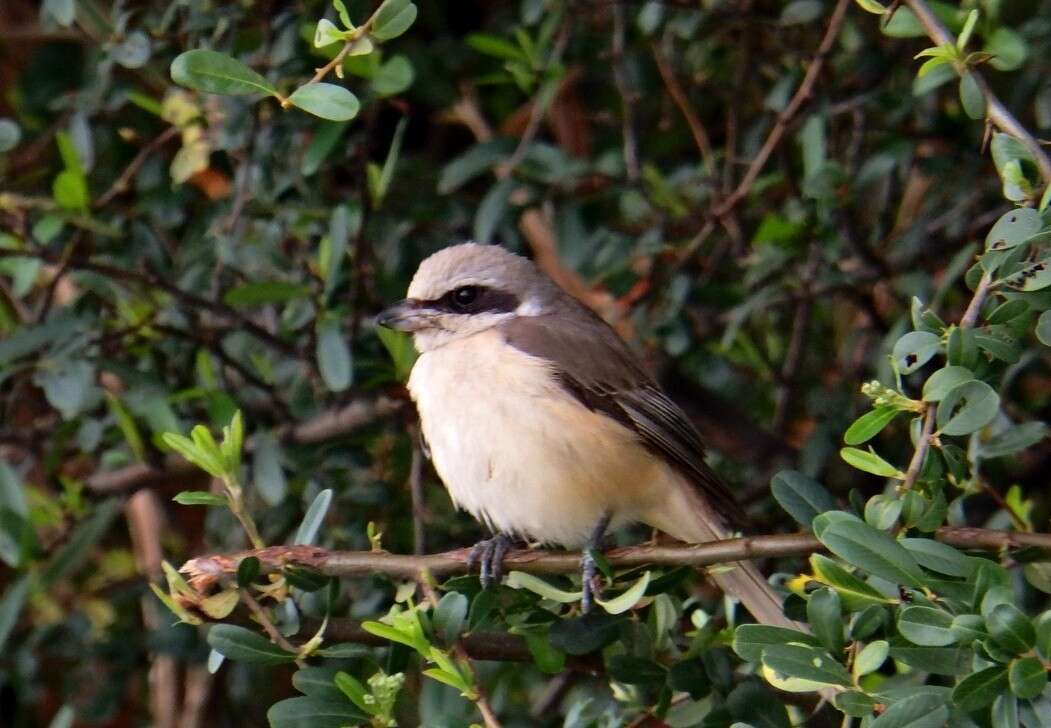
point(465, 289)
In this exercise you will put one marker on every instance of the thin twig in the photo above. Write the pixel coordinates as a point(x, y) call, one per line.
point(480, 699)
point(970, 317)
point(627, 96)
point(922, 446)
point(540, 105)
point(801, 96)
point(996, 112)
point(260, 614)
point(678, 95)
point(419, 507)
point(121, 183)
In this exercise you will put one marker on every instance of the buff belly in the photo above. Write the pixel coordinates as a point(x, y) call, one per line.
point(519, 453)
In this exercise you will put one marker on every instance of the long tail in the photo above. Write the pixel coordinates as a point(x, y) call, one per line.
point(689, 518)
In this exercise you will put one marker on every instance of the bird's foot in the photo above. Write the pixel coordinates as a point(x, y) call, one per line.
point(590, 581)
point(489, 555)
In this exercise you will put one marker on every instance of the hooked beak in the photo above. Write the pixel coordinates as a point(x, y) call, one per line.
point(407, 315)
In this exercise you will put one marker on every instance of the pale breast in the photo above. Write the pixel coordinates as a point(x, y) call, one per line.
point(520, 453)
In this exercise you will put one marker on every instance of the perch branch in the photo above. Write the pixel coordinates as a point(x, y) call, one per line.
point(203, 571)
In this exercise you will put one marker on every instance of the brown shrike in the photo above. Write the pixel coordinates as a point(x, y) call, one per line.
point(544, 426)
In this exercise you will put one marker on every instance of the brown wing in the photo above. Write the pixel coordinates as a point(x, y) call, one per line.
point(596, 366)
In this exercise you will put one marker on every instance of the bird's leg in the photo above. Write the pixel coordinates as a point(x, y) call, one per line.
point(588, 567)
point(489, 555)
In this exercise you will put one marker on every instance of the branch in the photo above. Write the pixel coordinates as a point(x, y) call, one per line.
point(204, 571)
point(996, 112)
point(970, 317)
point(801, 96)
point(324, 426)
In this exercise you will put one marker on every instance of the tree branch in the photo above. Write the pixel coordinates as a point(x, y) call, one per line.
point(996, 112)
point(204, 571)
point(322, 427)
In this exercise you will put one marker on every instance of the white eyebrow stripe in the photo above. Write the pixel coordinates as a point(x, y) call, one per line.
point(529, 307)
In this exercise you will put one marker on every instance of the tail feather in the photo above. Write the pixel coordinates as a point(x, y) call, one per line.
point(689, 518)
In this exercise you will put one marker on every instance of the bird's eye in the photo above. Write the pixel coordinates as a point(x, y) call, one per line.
point(464, 296)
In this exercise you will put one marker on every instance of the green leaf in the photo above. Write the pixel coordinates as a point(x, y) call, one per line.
point(825, 616)
point(256, 293)
point(217, 73)
point(522, 580)
point(853, 592)
point(1014, 228)
point(450, 616)
point(971, 97)
point(980, 689)
point(938, 557)
point(802, 497)
point(870, 424)
point(317, 682)
point(1011, 628)
point(11, 604)
point(321, 146)
point(882, 511)
point(200, 498)
point(10, 135)
point(352, 688)
point(967, 408)
point(492, 209)
point(968, 28)
point(333, 355)
point(268, 477)
point(70, 191)
point(478, 159)
point(939, 384)
point(915, 349)
point(315, 516)
point(244, 645)
point(751, 639)
point(871, 657)
point(379, 184)
point(1009, 49)
point(493, 45)
point(632, 670)
point(247, 571)
point(327, 33)
point(629, 598)
point(853, 702)
point(1043, 324)
point(858, 543)
point(920, 710)
point(1027, 677)
point(392, 19)
point(868, 461)
point(1013, 440)
point(805, 663)
point(393, 77)
point(1033, 277)
point(401, 350)
point(313, 712)
point(326, 100)
point(64, 12)
point(926, 626)
point(590, 632)
point(935, 660)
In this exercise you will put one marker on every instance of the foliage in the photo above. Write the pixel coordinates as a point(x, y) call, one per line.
point(203, 204)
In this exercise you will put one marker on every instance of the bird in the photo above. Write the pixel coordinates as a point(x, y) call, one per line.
point(545, 426)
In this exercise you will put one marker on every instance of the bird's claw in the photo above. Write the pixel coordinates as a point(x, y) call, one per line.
point(489, 555)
